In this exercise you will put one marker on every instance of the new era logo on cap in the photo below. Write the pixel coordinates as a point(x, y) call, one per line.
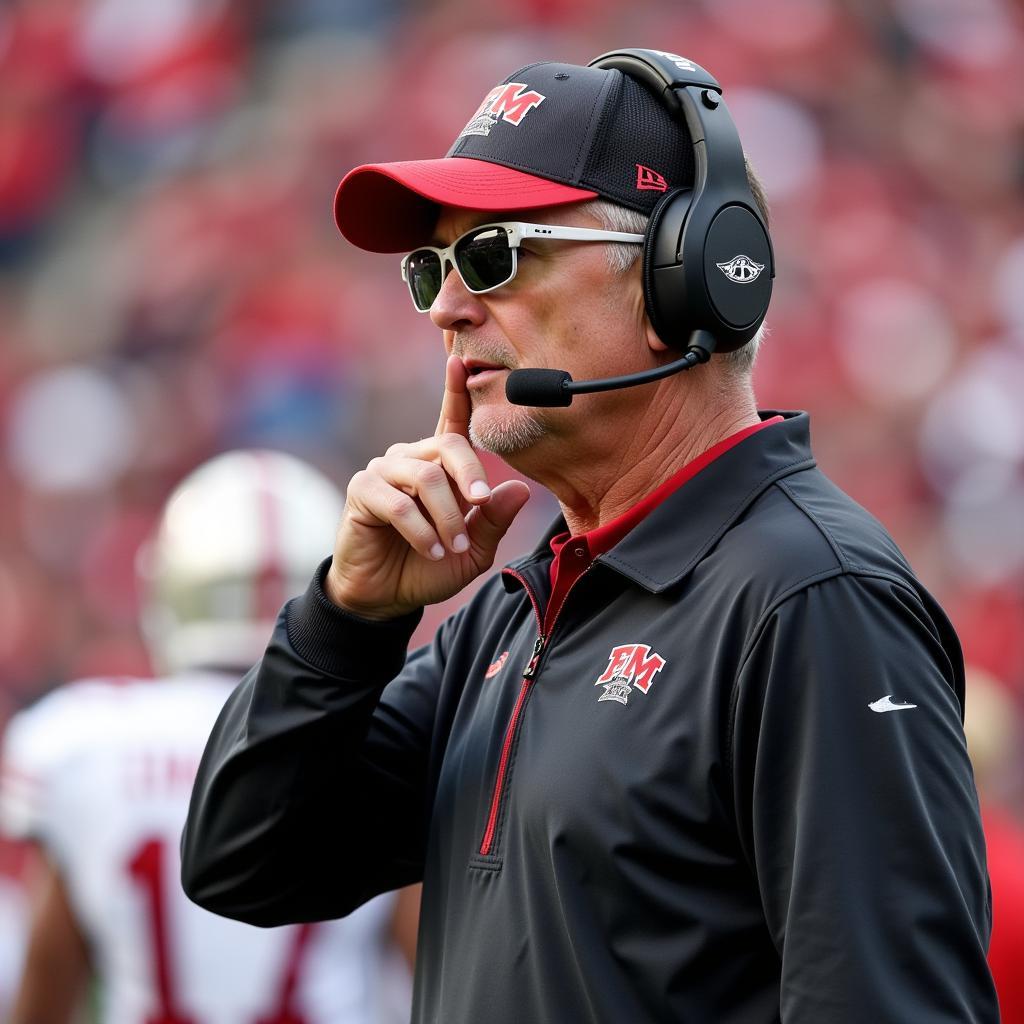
point(648, 180)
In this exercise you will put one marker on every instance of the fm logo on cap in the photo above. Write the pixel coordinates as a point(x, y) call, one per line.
point(510, 102)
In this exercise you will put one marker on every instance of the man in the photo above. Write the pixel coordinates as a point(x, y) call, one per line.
point(99, 773)
point(699, 757)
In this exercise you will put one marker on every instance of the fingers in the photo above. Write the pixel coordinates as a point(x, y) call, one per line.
point(455, 405)
point(456, 455)
point(487, 524)
point(371, 501)
point(423, 490)
point(437, 516)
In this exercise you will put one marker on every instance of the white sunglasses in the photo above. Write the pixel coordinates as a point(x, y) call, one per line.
point(487, 257)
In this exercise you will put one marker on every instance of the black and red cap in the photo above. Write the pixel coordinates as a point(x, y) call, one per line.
point(549, 135)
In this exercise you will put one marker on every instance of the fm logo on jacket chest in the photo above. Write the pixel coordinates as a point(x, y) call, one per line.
point(629, 665)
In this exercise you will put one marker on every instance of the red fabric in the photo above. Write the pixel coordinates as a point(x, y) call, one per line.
point(1004, 840)
point(392, 207)
point(574, 554)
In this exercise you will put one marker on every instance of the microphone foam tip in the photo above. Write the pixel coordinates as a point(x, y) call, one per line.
point(545, 388)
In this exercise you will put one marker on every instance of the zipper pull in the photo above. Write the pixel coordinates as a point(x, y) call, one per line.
point(532, 667)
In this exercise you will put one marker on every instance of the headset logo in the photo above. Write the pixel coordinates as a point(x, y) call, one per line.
point(680, 62)
point(741, 269)
point(511, 102)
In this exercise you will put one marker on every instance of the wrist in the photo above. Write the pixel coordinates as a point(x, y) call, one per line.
point(335, 591)
point(341, 642)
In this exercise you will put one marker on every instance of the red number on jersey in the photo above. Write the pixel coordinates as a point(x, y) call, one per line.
point(147, 868)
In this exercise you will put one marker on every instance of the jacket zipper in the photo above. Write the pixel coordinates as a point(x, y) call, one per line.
point(529, 675)
point(506, 747)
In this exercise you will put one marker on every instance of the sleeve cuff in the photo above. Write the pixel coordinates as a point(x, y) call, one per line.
point(343, 644)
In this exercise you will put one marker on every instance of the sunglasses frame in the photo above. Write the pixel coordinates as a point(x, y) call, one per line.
point(515, 232)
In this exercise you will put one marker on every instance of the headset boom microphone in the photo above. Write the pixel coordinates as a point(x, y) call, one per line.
point(548, 388)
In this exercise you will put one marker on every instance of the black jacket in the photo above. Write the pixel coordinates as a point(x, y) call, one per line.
point(695, 806)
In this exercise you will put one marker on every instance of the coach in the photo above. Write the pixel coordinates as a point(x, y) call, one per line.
point(699, 756)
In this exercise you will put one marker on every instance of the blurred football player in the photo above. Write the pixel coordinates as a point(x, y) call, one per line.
point(99, 774)
point(13, 919)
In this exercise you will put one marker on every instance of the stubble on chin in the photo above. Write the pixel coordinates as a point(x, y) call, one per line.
point(505, 430)
point(496, 425)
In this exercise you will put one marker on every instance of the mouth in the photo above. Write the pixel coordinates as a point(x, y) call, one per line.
point(481, 372)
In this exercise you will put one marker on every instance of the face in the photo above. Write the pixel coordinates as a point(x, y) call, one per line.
point(565, 309)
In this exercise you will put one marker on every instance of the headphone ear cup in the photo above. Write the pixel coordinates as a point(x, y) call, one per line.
point(660, 241)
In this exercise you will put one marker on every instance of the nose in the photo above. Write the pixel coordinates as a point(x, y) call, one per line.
point(455, 306)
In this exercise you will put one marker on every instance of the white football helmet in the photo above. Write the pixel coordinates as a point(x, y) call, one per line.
point(237, 538)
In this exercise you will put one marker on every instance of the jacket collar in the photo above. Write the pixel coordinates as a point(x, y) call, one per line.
point(666, 545)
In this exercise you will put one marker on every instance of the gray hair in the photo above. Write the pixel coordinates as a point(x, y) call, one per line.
point(623, 255)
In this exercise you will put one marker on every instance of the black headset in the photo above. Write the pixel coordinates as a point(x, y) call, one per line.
point(708, 262)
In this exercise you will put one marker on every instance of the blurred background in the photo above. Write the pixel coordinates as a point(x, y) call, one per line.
point(172, 284)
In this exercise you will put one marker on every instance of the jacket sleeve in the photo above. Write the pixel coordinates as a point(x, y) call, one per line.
point(311, 796)
point(861, 824)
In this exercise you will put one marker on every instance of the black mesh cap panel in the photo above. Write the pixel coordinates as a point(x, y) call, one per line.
point(639, 130)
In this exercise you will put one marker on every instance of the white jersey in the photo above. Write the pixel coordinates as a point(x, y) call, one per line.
point(100, 772)
point(13, 928)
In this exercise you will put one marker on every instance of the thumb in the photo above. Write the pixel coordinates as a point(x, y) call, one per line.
point(486, 524)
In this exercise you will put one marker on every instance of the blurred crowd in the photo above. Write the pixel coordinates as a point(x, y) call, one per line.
point(172, 284)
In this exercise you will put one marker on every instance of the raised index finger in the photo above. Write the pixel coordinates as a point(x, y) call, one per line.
point(455, 406)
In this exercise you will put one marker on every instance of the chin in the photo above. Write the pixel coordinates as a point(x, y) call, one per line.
point(505, 429)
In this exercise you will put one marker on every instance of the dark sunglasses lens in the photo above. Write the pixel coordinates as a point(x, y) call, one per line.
point(423, 271)
point(485, 259)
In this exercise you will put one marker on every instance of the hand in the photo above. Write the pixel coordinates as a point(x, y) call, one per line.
point(421, 522)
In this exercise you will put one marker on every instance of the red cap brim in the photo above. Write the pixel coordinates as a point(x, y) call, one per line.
point(393, 207)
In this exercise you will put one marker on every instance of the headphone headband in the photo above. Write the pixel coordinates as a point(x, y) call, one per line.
point(706, 247)
point(663, 72)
